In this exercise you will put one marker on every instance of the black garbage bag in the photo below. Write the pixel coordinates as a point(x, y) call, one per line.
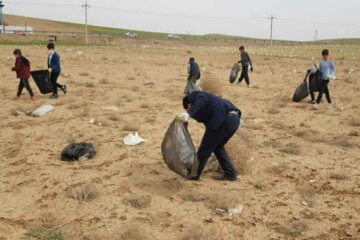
point(42, 81)
point(178, 150)
point(75, 151)
point(301, 92)
point(234, 73)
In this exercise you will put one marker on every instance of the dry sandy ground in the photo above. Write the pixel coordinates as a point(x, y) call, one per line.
point(300, 167)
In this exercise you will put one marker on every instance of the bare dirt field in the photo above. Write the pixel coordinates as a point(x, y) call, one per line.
point(300, 172)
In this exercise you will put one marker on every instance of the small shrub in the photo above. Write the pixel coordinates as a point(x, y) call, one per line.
point(45, 233)
point(140, 202)
point(291, 148)
point(130, 128)
point(338, 176)
point(90, 85)
point(114, 117)
point(83, 193)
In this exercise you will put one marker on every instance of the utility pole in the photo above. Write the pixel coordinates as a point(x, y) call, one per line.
point(86, 6)
point(271, 29)
point(2, 16)
point(316, 37)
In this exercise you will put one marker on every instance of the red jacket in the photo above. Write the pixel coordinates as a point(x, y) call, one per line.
point(22, 68)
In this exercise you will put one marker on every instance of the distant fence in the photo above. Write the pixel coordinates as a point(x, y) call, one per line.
point(109, 38)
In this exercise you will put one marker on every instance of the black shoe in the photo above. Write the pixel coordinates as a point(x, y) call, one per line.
point(54, 96)
point(225, 178)
point(64, 89)
point(197, 178)
point(312, 102)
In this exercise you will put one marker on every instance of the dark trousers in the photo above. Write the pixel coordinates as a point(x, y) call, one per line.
point(323, 89)
point(53, 79)
point(312, 95)
point(214, 142)
point(245, 75)
point(24, 83)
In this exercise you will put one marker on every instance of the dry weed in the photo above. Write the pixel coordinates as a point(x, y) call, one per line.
point(222, 199)
point(84, 74)
point(45, 233)
point(83, 193)
point(274, 111)
point(90, 85)
point(338, 176)
point(277, 169)
point(130, 128)
point(239, 149)
point(114, 117)
point(211, 84)
point(134, 231)
point(140, 201)
point(291, 148)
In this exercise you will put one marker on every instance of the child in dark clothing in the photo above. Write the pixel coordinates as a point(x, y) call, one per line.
point(22, 69)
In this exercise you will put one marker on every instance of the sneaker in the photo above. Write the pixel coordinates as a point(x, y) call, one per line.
point(225, 178)
point(315, 106)
point(54, 96)
point(249, 86)
point(312, 102)
point(64, 89)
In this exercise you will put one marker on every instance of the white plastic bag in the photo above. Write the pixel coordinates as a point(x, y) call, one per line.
point(42, 110)
point(133, 139)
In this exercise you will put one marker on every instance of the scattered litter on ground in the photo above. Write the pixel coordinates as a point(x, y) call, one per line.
point(231, 211)
point(133, 139)
point(42, 110)
point(110, 108)
point(78, 152)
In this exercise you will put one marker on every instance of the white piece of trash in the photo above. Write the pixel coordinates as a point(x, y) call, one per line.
point(235, 210)
point(42, 110)
point(110, 108)
point(133, 139)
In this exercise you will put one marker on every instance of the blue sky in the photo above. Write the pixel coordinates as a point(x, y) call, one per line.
point(296, 19)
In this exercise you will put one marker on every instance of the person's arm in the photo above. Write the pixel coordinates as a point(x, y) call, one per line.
point(18, 65)
point(199, 103)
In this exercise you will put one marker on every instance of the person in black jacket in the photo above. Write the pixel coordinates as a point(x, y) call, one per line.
point(245, 65)
point(221, 119)
point(193, 77)
point(54, 69)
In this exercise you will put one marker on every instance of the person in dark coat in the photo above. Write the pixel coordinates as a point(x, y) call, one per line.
point(245, 65)
point(193, 77)
point(22, 69)
point(54, 69)
point(221, 119)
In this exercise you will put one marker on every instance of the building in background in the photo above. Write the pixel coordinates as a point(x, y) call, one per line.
point(22, 30)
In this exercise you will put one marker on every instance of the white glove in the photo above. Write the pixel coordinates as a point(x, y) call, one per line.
point(184, 117)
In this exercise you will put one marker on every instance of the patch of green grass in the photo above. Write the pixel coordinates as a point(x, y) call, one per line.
point(45, 234)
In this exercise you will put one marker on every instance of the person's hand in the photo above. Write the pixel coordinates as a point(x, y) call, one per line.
point(49, 70)
point(184, 117)
point(252, 69)
point(13, 69)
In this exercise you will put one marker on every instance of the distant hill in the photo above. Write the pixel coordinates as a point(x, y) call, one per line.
point(58, 26)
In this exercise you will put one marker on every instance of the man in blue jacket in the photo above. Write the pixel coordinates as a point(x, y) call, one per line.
point(54, 69)
point(221, 119)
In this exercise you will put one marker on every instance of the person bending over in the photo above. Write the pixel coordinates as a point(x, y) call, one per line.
point(221, 119)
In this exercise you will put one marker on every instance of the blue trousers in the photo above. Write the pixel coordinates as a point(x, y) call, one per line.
point(214, 142)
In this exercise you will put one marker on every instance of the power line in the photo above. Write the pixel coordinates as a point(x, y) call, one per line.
point(86, 6)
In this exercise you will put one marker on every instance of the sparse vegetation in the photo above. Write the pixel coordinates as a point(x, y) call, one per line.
point(90, 85)
point(291, 148)
point(45, 233)
point(139, 201)
point(83, 193)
